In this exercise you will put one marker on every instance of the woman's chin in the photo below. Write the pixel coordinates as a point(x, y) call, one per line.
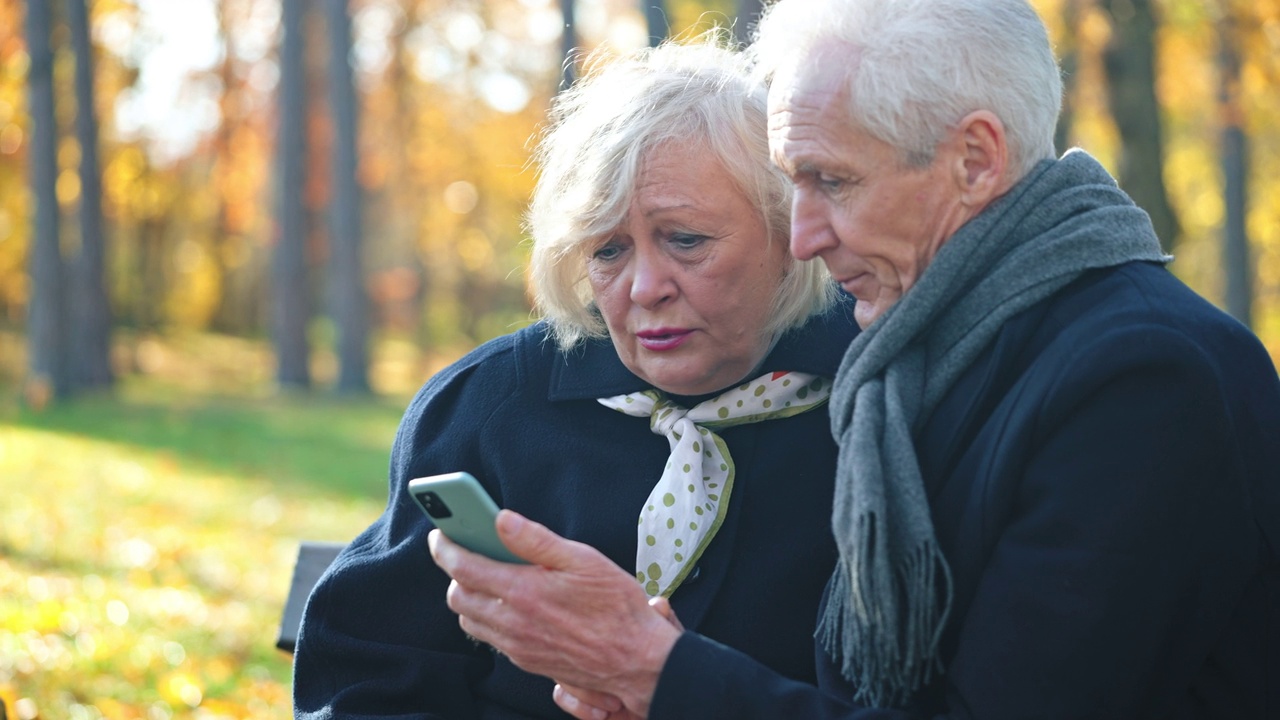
point(682, 381)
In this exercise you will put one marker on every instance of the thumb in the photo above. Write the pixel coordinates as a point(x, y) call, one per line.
point(537, 544)
point(663, 606)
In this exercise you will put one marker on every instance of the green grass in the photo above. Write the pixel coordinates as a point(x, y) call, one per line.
point(147, 540)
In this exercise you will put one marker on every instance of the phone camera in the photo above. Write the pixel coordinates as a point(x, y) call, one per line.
point(434, 506)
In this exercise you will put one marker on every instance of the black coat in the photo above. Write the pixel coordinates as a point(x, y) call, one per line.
point(377, 638)
point(1104, 482)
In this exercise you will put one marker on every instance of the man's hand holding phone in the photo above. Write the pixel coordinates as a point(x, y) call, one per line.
point(574, 616)
point(463, 511)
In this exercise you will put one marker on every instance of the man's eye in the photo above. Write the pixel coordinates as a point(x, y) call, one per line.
point(829, 182)
point(687, 241)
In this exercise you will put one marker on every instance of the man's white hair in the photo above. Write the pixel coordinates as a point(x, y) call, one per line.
point(916, 67)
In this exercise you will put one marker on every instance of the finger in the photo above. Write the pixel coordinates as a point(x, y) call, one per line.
point(472, 570)
point(476, 606)
point(663, 606)
point(538, 545)
point(575, 707)
point(442, 551)
point(602, 700)
point(483, 625)
point(479, 631)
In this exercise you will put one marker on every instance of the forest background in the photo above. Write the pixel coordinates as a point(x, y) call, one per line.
point(235, 235)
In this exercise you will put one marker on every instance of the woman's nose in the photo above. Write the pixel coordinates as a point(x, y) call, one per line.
point(811, 232)
point(651, 280)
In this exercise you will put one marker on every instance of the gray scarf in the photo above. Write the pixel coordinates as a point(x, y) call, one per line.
point(890, 595)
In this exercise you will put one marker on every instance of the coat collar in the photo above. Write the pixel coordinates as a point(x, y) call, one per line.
point(592, 369)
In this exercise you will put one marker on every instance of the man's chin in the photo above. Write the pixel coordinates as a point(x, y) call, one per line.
point(865, 313)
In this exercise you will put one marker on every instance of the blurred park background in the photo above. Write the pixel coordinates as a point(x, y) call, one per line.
point(236, 235)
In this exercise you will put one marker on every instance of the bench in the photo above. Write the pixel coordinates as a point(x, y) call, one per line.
point(313, 559)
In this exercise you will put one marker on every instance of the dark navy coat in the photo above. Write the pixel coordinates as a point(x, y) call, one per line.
point(377, 638)
point(1104, 482)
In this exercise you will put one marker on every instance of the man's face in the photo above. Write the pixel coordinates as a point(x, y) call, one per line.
point(875, 222)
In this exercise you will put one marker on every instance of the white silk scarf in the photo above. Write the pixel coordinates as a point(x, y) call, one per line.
point(685, 509)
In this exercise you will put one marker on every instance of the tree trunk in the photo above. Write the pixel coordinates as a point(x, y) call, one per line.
point(47, 377)
point(350, 303)
point(90, 346)
point(655, 16)
point(400, 254)
point(1069, 59)
point(1235, 172)
point(1129, 61)
point(748, 15)
point(568, 43)
point(291, 304)
point(231, 314)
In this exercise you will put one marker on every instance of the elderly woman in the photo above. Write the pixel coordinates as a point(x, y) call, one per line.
point(1058, 492)
point(679, 377)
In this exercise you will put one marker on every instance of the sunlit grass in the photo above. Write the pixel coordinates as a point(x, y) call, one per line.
point(147, 541)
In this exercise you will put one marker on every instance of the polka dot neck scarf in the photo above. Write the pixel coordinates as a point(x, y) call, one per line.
point(686, 507)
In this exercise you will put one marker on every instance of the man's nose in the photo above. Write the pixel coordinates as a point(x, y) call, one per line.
point(811, 231)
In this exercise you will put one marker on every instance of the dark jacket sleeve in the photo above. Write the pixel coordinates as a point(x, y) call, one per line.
point(377, 639)
point(1123, 542)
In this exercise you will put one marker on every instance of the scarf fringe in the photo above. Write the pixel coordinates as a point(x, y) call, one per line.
point(901, 654)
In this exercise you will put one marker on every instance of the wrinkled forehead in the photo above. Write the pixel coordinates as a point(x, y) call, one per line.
point(825, 66)
point(811, 90)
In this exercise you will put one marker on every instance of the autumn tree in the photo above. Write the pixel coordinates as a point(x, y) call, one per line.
point(747, 17)
point(89, 349)
point(655, 16)
point(1234, 148)
point(568, 44)
point(349, 303)
point(46, 312)
point(1067, 45)
point(289, 290)
point(234, 147)
point(1129, 60)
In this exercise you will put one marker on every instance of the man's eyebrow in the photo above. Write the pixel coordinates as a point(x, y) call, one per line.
point(784, 163)
point(796, 170)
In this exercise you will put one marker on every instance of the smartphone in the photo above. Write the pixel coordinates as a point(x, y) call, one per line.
point(463, 511)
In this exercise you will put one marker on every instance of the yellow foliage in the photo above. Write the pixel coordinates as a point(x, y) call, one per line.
point(134, 579)
point(68, 153)
point(446, 176)
point(195, 297)
point(68, 188)
point(10, 136)
point(181, 689)
point(123, 169)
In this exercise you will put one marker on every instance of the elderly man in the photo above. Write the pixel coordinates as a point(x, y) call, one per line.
point(1058, 493)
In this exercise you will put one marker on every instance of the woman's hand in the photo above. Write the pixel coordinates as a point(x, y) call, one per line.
point(573, 615)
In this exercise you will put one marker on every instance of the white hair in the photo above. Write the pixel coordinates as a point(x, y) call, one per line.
point(601, 131)
point(916, 67)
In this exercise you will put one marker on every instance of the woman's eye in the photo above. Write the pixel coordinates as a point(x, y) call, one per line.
point(608, 252)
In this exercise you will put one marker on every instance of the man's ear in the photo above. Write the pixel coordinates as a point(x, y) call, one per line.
point(982, 159)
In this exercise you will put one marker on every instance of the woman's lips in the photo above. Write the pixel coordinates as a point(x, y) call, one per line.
point(662, 339)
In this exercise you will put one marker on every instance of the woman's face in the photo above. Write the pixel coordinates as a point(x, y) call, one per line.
point(687, 281)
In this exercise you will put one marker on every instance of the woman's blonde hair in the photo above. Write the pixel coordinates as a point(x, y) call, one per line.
point(590, 154)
